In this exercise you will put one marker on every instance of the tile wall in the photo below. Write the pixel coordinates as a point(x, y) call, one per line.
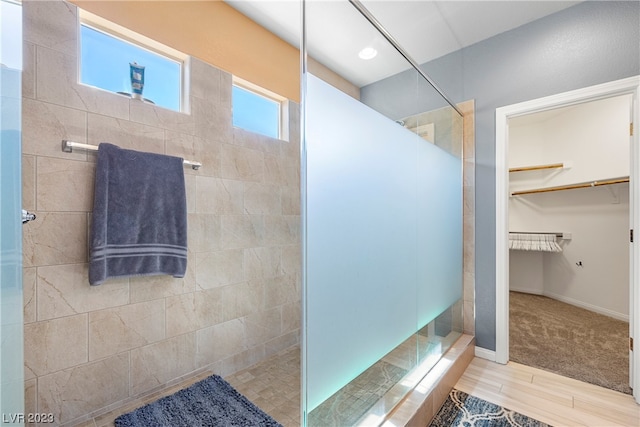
point(88, 349)
point(469, 215)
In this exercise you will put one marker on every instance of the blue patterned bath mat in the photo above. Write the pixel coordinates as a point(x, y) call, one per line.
point(461, 409)
point(207, 403)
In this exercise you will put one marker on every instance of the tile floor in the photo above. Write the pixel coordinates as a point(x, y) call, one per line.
point(273, 385)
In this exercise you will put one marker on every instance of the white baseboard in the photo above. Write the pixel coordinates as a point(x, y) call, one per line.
point(526, 291)
point(590, 307)
point(483, 353)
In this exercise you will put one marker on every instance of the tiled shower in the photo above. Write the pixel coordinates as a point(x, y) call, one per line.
point(88, 349)
point(92, 349)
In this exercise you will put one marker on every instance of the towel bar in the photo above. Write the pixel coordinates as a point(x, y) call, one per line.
point(68, 146)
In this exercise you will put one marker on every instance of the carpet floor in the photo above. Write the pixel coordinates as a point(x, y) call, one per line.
point(463, 410)
point(568, 340)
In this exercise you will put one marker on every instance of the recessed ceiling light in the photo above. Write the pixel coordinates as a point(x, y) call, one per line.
point(368, 53)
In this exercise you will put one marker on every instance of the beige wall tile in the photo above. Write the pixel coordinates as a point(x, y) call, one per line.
point(256, 141)
point(46, 125)
point(282, 342)
point(273, 169)
point(55, 238)
point(242, 163)
point(205, 151)
point(30, 399)
point(291, 172)
point(29, 182)
point(65, 185)
point(242, 299)
point(282, 229)
point(291, 317)
point(160, 117)
point(263, 326)
point(156, 364)
point(294, 129)
point(213, 119)
point(56, 77)
point(190, 187)
point(103, 102)
point(28, 70)
point(220, 196)
point(181, 314)
point(469, 318)
point(193, 311)
point(242, 231)
point(220, 341)
point(281, 290)
point(242, 360)
point(291, 259)
point(148, 288)
point(53, 345)
point(124, 134)
point(206, 81)
point(29, 294)
point(214, 269)
point(53, 24)
point(205, 232)
point(469, 178)
point(64, 290)
point(262, 263)
point(114, 330)
point(262, 199)
point(226, 81)
point(290, 199)
point(77, 391)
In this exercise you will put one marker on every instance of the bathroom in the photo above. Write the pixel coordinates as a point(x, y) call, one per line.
point(237, 166)
point(240, 301)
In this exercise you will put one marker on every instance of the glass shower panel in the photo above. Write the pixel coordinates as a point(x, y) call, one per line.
point(382, 226)
point(361, 224)
point(11, 304)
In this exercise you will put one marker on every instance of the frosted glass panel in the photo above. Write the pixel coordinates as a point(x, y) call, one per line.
point(11, 304)
point(383, 237)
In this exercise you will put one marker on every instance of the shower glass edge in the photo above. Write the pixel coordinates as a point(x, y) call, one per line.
point(381, 209)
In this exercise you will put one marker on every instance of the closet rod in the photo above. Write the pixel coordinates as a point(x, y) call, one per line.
point(68, 146)
point(535, 168)
point(572, 186)
point(557, 234)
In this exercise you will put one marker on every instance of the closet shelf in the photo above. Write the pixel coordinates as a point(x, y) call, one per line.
point(572, 186)
point(537, 167)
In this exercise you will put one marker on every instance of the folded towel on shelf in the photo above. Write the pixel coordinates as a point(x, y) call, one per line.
point(139, 222)
point(534, 242)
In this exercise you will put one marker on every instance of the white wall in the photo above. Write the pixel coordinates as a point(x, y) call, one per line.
point(593, 269)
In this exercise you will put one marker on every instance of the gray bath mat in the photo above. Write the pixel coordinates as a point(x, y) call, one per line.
point(210, 402)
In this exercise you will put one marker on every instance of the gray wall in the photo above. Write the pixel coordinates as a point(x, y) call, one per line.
point(587, 44)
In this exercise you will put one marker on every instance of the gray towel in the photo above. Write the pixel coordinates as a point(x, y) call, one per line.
point(139, 225)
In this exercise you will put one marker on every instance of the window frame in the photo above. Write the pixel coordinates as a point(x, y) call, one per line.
point(125, 35)
point(283, 103)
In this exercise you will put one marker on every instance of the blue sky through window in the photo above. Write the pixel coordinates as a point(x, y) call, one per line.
point(11, 26)
point(105, 64)
point(255, 112)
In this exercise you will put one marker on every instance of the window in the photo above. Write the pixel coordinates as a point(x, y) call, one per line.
point(259, 110)
point(106, 50)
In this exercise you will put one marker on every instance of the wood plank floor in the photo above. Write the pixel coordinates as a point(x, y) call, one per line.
point(548, 397)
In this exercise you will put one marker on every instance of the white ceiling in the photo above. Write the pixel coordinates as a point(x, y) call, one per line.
point(426, 29)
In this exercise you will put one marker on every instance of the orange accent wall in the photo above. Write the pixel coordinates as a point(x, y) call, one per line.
point(213, 32)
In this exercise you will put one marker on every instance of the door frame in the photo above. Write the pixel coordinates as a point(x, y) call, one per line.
point(630, 86)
